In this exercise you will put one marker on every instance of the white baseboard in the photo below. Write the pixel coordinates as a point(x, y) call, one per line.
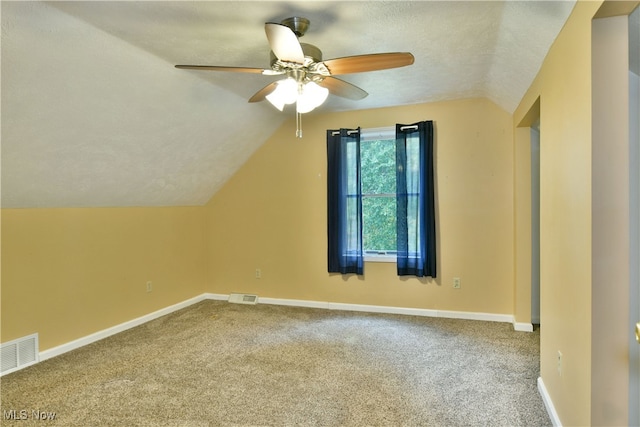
point(80, 342)
point(293, 302)
point(551, 410)
point(523, 327)
point(382, 309)
point(490, 317)
point(468, 315)
point(221, 297)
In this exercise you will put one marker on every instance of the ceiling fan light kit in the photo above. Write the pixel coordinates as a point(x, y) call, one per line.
point(306, 96)
point(308, 80)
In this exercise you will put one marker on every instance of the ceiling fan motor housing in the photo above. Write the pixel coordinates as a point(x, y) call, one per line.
point(311, 53)
point(298, 25)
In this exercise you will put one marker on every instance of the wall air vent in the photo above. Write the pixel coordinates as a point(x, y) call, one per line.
point(243, 299)
point(18, 354)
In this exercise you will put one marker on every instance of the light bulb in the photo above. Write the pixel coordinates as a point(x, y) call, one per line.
point(311, 96)
point(286, 92)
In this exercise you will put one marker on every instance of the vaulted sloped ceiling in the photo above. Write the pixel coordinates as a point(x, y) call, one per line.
point(94, 113)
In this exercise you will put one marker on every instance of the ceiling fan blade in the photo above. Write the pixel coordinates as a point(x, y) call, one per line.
point(371, 62)
point(343, 89)
point(262, 93)
point(284, 43)
point(233, 69)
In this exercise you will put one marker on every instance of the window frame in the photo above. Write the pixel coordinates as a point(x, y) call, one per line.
point(375, 134)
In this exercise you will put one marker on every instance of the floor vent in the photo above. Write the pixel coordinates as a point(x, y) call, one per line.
point(243, 299)
point(18, 354)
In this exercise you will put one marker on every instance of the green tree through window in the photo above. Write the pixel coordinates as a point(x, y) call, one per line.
point(378, 174)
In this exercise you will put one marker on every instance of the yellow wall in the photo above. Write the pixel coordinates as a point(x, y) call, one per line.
point(272, 215)
point(67, 273)
point(564, 88)
point(612, 263)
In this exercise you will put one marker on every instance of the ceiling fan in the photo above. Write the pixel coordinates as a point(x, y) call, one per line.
point(308, 79)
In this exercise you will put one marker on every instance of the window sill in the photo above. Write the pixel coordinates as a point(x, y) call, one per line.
point(380, 258)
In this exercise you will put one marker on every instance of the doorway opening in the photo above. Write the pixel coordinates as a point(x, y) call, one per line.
point(535, 223)
point(528, 293)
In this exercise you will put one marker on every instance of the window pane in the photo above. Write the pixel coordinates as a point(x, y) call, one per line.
point(378, 169)
point(379, 223)
point(413, 164)
point(378, 160)
point(352, 231)
point(350, 168)
point(413, 229)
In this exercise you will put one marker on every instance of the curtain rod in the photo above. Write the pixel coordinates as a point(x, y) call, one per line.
point(351, 132)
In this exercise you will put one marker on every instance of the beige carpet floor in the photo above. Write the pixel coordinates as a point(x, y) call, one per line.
point(221, 364)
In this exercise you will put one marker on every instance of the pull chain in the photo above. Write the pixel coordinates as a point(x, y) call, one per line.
point(298, 125)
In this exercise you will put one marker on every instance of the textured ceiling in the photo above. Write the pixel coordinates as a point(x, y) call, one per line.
point(95, 114)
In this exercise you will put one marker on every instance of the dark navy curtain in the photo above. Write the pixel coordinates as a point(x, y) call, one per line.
point(415, 201)
point(344, 202)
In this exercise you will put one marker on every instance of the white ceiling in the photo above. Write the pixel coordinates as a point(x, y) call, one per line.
point(94, 113)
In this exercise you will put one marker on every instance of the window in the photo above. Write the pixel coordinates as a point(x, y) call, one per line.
point(380, 199)
point(378, 174)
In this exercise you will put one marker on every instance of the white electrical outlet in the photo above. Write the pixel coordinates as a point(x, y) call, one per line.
point(149, 286)
point(258, 273)
point(456, 283)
